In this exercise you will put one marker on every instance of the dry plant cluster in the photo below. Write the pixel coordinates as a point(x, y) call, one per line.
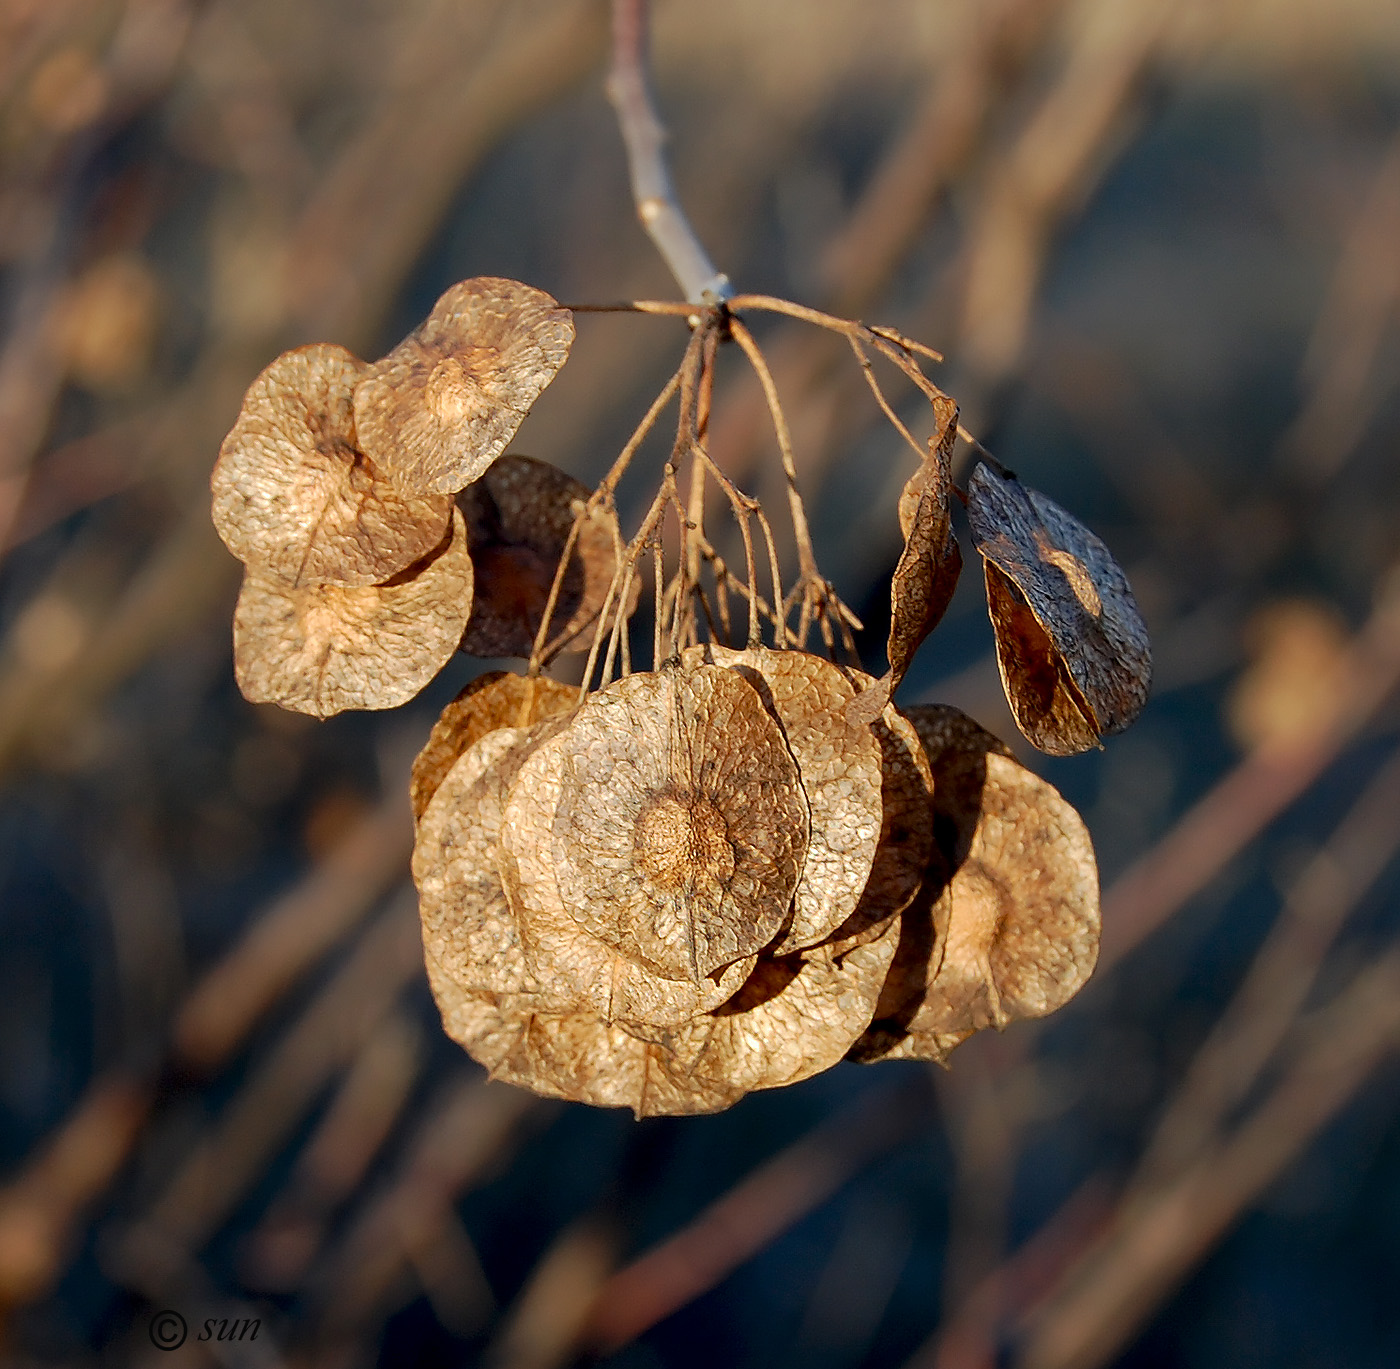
point(664, 887)
point(1157, 242)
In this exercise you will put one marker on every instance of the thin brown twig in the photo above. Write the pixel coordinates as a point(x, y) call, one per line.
point(742, 507)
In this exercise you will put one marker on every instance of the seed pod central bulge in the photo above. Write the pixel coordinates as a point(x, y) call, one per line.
point(683, 843)
point(681, 827)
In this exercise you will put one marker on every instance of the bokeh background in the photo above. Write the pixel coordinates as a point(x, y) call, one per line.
point(1159, 242)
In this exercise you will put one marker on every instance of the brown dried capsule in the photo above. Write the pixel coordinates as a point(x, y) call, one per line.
point(1072, 647)
point(440, 408)
point(325, 648)
point(795, 1017)
point(581, 971)
point(469, 929)
point(927, 574)
point(681, 826)
point(839, 765)
point(294, 497)
point(496, 699)
point(1015, 879)
point(519, 517)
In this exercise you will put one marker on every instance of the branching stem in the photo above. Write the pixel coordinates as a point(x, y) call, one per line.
point(652, 189)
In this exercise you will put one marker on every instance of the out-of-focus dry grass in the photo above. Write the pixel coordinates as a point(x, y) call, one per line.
point(1160, 246)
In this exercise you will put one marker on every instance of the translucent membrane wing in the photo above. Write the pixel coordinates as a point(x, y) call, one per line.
point(294, 497)
point(441, 407)
point(325, 648)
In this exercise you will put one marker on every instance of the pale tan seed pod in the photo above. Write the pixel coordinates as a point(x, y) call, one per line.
point(579, 968)
point(325, 648)
point(567, 1055)
point(1019, 888)
point(496, 699)
point(469, 930)
point(294, 497)
point(681, 825)
point(519, 518)
point(441, 407)
point(839, 764)
point(1071, 645)
point(795, 1017)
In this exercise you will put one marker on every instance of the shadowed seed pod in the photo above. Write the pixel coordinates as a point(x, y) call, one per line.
point(296, 500)
point(680, 828)
point(325, 648)
point(1007, 924)
point(498, 699)
point(839, 767)
point(519, 518)
point(441, 407)
point(906, 824)
point(1071, 645)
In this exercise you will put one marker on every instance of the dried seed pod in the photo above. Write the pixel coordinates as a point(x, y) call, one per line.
point(839, 765)
point(567, 1055)
point(469, 929)
point(927, 574)
point(580, 969)
point(519, 517)
point(794, 1017)
point(440, 408)
point(1016, 880)
point(1072, 647)
point(294, 497)
point(681, 826)
point(906, 829)
point(325, 648)
point(496, 699)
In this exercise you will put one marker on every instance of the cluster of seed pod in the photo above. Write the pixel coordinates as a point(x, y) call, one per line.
point(378, 530)
point(711, 878)
point(736, 868)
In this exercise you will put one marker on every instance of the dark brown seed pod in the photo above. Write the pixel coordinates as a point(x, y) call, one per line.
point(519, 517)
point(1017, 883)
point(927, 574)
point(1072, 647)
point(440, 408)
point(681, 826)
point(468, 927)
point(496, 699)
point(294, 497)
point(581, 971)
point(794, 1017)
point(325, 648)
point(839, 764)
